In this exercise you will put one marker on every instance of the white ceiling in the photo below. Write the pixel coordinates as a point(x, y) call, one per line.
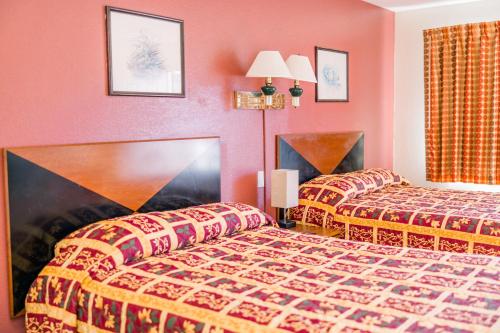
point(402, 5)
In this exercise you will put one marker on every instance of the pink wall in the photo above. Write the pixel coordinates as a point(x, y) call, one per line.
point(53, 81)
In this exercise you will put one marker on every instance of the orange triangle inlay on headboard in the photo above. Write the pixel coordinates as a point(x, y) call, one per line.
point(128, 173)
point(322, 150)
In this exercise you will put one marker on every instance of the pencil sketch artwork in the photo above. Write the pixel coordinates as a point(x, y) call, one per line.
point(145, 60)
point(145, 55)
point(332, 72)
point(332, 77)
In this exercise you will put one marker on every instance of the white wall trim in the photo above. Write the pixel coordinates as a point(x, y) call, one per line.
point(429, 5)
point(424, 4)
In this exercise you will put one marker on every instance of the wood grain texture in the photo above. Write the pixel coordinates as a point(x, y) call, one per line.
point(126, 172)
point(314, 154)
point(308, 229)
point(55, 190)
point(323, 150)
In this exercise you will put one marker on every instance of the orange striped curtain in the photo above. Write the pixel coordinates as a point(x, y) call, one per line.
point(462, 103)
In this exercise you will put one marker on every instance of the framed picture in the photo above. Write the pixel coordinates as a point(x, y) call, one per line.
point(332, 72)
point(145, 54)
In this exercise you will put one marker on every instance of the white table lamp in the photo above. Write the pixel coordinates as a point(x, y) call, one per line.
point(285, 192)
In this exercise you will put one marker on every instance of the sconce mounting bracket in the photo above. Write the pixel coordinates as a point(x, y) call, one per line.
point(255, 100)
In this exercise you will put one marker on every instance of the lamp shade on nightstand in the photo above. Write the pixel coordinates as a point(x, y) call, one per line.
point(284, 188)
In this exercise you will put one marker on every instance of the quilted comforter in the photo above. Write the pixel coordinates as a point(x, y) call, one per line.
point(221, 268)
point(379, 206)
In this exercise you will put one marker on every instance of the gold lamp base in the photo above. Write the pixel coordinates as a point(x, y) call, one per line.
point(254, 100)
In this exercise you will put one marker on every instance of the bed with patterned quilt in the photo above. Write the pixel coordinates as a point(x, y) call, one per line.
point(379, 206)
point(225, 268)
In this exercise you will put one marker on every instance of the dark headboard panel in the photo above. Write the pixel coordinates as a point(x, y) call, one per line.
point(54, 190)
point(314, 154)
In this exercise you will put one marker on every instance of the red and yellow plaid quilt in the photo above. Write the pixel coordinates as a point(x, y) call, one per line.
point(380, 207)
point(138, 274)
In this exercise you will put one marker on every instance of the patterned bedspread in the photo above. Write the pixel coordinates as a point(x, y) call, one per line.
point(112, 277)
point(392, 212)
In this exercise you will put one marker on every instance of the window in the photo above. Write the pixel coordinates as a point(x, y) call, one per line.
point(462, 103)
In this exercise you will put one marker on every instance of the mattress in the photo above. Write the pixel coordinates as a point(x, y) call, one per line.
point(117, 276)
point(398, 214)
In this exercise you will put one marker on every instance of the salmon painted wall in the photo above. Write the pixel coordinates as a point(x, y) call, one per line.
point(53, 81)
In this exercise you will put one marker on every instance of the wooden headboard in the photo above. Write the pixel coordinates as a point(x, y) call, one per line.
point(54, 190)
point(314, 154)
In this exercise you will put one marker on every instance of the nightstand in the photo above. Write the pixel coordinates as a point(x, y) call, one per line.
point(306, 229)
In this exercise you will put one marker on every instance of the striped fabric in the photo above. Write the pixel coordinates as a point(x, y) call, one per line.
point(462, 103)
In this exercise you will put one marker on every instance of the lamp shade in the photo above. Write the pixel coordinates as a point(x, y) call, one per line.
point(284, 188)
point(269, 64)
point(301, 68)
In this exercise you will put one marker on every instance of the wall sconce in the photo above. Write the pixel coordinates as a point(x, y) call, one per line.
point(268, 65)
point(301, 70)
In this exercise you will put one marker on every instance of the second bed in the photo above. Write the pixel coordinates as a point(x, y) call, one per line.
point(381, 207)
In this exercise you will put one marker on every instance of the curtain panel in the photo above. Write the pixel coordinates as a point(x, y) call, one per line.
point(462, 103)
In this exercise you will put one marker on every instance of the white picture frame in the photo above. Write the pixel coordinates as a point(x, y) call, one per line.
point(145, 54)
point(332, 73)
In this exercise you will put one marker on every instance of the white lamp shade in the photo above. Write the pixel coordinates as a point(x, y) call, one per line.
point(284, 188)
point(301, 68)
point(269, 64)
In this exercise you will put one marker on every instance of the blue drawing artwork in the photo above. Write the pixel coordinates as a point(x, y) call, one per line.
point(145, 60)
point(331, 76)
